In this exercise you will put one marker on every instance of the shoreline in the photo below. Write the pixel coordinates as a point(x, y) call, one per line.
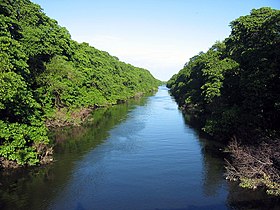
point(64, 117)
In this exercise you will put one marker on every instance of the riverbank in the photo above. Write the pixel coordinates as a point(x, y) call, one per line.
point(138, 155)
point(64, 117)
point(255, 166)
point(236, 98)
point(252, 164)
point(52, 82)
point(76, 116)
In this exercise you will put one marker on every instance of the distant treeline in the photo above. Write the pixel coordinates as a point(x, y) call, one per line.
point(46, 76)
point(233, 92)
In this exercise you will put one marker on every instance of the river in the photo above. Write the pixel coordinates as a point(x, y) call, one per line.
point(137, 155)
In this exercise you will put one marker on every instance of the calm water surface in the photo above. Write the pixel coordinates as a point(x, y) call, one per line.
point(138, 155)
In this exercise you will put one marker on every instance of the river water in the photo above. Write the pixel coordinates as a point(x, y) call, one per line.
point(137, 155)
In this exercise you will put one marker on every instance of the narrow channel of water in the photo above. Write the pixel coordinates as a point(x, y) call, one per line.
point(138, 155)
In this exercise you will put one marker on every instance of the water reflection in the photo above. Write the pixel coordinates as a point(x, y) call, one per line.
point(240, 198)
point(138, 155)
point(213, 168)
point(214, 182)
point(35, 188)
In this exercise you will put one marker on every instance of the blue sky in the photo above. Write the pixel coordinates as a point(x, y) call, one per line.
point(159, 35)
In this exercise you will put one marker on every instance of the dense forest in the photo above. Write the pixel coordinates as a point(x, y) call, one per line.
point(232, 92)
point(48, 79)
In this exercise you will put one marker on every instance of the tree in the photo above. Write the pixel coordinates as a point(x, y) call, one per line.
point(237, 77)
point(255, 44)
point(44, 75)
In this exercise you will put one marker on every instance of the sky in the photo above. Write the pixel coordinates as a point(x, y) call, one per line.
point(158, 35)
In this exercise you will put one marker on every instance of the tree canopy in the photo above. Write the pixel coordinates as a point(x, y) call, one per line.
point(44, 71)
point(234, 86)
point(232, 90)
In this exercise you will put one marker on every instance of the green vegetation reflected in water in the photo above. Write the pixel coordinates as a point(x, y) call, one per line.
point(137, 155)
point(34, 188)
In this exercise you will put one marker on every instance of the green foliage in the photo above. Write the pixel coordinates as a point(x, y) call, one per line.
point(108, 78)
point(254, 43)
point(60, 81)
point(233, 91)
point(16, 101)
point(43, 74)
point(272, 188)
point(234, 86)
point(18, 142)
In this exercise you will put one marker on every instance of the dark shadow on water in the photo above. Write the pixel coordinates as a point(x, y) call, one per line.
point(214, 168)
point(240, 198)
point(192, 207)
point(35, 188)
